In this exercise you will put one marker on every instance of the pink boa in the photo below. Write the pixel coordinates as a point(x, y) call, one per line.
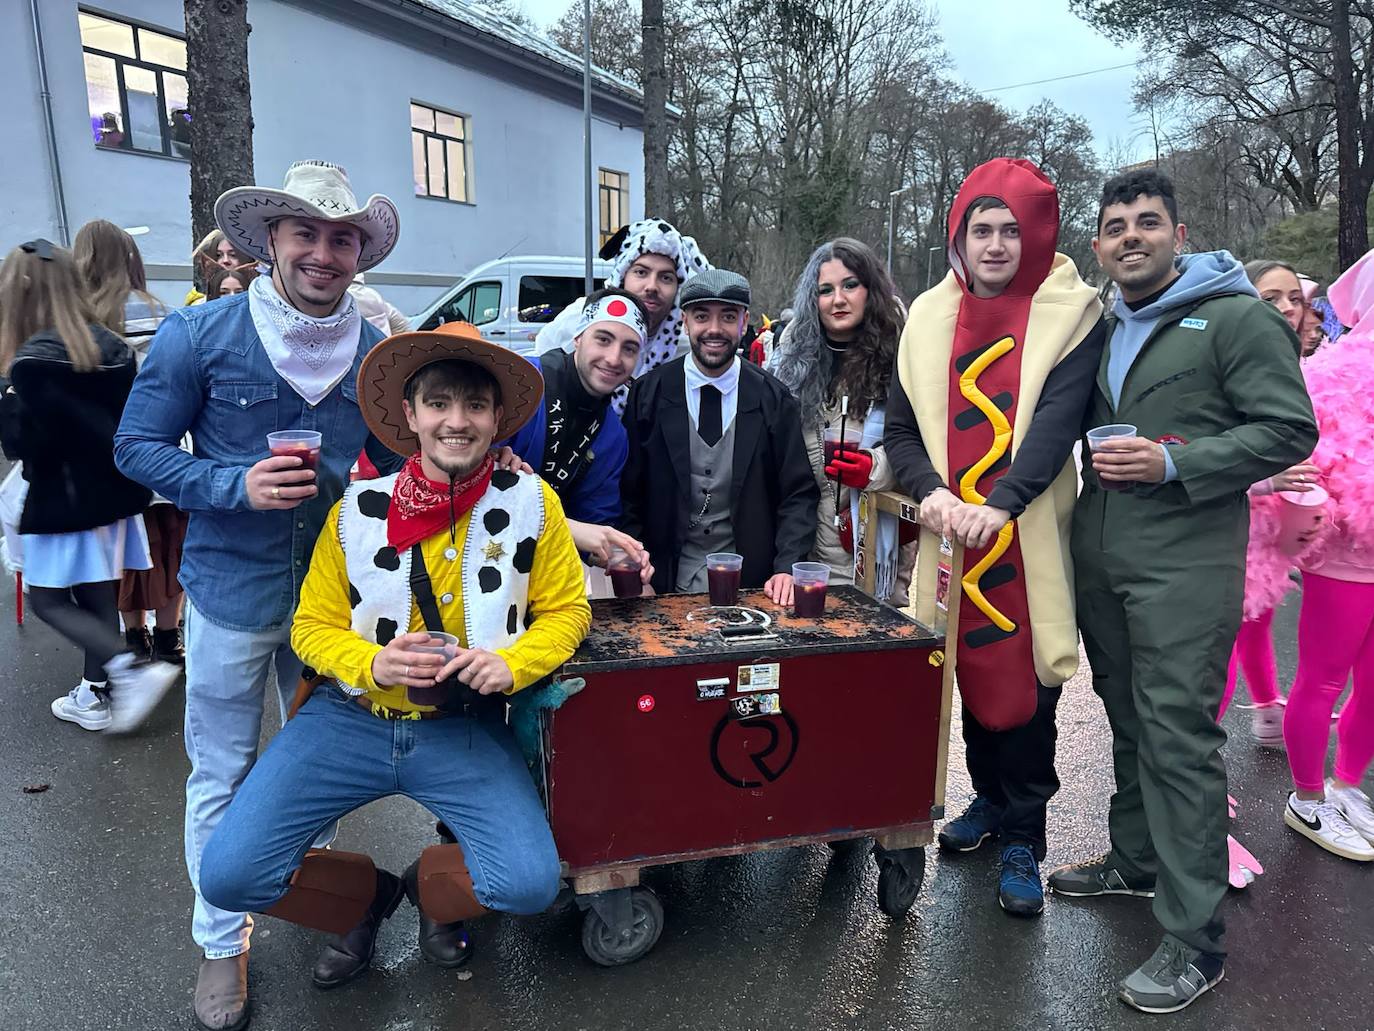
point(1266, 566)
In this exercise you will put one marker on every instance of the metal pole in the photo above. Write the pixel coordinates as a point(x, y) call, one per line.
point(892, 221)
point(59, 197)
point(930, 264)
point(589, 242)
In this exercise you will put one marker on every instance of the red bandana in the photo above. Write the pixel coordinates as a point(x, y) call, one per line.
point(421, 507)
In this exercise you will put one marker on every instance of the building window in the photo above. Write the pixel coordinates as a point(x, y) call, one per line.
point(439, 150)
point(135, 87)
point(614, 191)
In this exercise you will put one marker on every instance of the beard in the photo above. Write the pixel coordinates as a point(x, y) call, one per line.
point(706, 361)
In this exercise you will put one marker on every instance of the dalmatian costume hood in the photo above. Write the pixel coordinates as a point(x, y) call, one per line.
point(649, 236)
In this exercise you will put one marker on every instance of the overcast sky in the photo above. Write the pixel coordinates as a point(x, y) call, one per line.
point(1002, 43)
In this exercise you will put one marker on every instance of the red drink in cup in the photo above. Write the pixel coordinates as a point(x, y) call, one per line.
point(445, 646)
point(809, 582)
point(624, 574)
point(831, 442)
point(1098, 435)
point(722, 577)
point(302, 444)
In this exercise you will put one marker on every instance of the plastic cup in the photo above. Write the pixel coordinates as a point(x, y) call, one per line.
point(302, 444)
point(445, 645)
point(624, 574)
point(1099, 434)
point(809, 581)
point(722, 577)
point(831, 440)
point(1302, 513)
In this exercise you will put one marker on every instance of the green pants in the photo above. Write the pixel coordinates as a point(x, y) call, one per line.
point(1159, 594)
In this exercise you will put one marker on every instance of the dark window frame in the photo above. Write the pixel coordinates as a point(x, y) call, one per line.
point(120, 62)
point(604, 195)
point(464, 143)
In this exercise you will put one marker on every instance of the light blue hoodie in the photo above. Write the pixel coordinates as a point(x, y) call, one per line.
point(1201, 276)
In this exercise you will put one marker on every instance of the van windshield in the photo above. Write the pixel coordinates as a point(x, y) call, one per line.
point(541, 298)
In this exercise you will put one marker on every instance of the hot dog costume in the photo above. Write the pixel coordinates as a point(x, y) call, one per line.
point(973, 370)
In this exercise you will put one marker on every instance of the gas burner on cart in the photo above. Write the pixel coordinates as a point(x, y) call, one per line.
point(734, 621)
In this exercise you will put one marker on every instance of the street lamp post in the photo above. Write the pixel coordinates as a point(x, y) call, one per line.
point(930, 264)
point(892, 221)
point(587, 142)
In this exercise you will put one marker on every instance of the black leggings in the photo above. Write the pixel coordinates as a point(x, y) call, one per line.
point(88, 616)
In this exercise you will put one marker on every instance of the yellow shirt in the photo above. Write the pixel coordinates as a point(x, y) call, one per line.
point(322, 632)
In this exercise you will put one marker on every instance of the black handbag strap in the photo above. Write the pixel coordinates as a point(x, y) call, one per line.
point(423, 590)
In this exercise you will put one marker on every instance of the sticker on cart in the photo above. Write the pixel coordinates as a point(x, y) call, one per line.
point(747, 706)
point(710, 690)
point(646, 703)
point(944, 572)
point(766, 676)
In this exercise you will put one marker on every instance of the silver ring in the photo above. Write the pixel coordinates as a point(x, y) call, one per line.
point(407, 671)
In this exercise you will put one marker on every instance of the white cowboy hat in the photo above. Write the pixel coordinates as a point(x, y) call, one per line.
point(312, 189)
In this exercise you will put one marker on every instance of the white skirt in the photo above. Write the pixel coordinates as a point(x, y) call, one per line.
point(87, 556)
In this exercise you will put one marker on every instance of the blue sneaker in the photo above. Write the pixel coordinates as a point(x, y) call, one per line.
point(1019, 891)
point(980, 822)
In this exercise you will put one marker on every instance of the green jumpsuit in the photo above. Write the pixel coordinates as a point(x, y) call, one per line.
point(1160, 579)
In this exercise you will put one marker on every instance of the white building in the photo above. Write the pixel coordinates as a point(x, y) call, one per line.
point(470, 124)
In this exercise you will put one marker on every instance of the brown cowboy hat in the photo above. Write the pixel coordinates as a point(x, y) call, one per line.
point(389, 366)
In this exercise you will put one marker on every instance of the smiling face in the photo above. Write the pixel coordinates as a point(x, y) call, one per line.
point(842, 298)
point(313, 262)
point(455, 426)
point(1281, 288)
point(653, 279)
point(1136, 244)
point(605, 355)
point(992, 246)
point(714, 328)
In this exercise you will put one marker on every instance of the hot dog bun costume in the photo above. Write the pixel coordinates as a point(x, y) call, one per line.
point(974, 369)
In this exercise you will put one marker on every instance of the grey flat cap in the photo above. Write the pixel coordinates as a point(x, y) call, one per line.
point(716, 284)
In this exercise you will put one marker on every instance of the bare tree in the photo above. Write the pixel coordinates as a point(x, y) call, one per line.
point(657, 189)
point(220, 103)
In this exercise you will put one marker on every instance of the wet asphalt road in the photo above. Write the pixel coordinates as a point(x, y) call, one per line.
point(94, 912)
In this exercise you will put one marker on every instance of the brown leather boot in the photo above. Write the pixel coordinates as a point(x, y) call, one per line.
point(222, 993)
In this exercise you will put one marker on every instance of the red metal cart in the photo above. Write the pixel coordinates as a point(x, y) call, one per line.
point(707, 732)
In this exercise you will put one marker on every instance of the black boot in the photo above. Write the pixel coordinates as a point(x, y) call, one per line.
point(350, 954)
point(444, 945)
point(167, 646)
point(139, 642)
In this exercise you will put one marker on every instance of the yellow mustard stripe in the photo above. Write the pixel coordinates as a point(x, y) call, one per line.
point(968, 483)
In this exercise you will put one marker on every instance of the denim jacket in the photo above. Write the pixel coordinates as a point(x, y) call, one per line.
point(208, 374)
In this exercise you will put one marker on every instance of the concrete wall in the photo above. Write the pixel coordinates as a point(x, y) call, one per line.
point(331, 83)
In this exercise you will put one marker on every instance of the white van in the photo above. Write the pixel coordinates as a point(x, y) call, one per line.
point(511, 299)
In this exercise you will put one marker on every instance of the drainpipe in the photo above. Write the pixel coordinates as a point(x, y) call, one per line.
point(55, 170)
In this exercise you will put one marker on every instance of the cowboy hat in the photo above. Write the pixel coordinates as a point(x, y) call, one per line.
point(312, 189)
point(389, 366)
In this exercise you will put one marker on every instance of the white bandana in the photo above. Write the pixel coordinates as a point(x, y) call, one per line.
point(311, 354)
point(613, 309)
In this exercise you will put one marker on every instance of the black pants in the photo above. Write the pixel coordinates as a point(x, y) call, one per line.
point(1015, 770)
point(88, 616)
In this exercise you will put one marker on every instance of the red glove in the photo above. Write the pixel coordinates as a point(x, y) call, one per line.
point(852, 468)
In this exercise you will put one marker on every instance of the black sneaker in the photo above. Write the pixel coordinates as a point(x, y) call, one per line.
point(1171, 979)
point(168, 647)
point(1088, 880)
point(981, 822)
point(138, 641)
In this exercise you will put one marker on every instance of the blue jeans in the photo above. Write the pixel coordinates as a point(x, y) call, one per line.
point(335, 756)
point(227, 672)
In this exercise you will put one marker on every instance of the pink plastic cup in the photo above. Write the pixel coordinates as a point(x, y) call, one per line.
point(1301, 514)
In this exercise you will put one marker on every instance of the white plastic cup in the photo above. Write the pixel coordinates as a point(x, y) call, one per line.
point(1112, 431)
point(809, 583)
point(439, 644)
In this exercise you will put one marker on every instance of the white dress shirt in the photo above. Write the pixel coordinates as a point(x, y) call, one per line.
point(727, 383)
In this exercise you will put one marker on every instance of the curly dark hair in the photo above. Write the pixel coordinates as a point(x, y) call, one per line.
point(1126, 187)
point(807, 366)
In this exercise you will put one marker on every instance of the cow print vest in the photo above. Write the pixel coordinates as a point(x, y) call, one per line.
point(498, 554)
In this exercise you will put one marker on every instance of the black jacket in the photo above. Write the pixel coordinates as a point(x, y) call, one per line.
point(773, 495)
point(61, 423)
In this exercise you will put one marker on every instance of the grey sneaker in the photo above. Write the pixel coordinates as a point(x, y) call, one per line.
point(1170, 979)
point(1087, 880)
point(135, 690)
point(95, 716)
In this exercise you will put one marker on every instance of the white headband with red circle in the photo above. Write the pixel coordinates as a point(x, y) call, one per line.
point(613, 309)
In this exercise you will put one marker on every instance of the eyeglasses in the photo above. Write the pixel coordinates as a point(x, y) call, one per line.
point(43, 249)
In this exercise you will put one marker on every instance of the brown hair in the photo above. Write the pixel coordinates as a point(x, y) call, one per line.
point(108, 262)
point(243, 275)
point(44, 293)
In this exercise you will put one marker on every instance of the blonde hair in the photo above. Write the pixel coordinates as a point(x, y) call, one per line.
point(44, 293)
point(110, 266)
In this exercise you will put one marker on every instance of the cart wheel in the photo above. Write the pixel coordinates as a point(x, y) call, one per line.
point(900, 873)
point(609, 949)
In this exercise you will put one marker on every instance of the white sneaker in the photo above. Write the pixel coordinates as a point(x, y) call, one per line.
point(95, 716)
point(1354, 805)
point(135, 690)
point(1324, 824)
point(1266, 724)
